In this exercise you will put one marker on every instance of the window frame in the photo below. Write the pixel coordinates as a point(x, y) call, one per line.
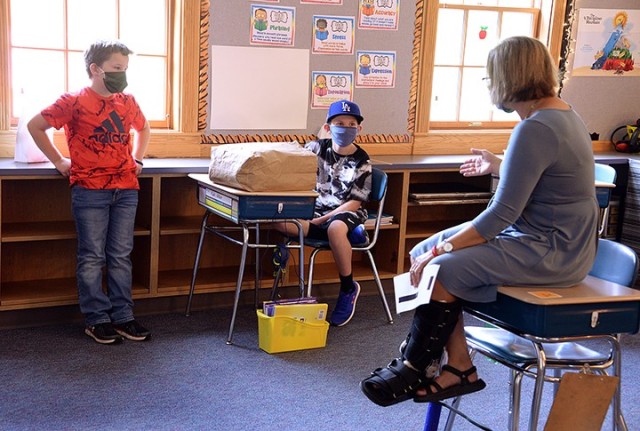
point(479, 125)
point(66, 51)
point(456, 141)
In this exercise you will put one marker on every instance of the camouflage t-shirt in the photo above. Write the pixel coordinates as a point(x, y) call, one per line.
point(340, 178)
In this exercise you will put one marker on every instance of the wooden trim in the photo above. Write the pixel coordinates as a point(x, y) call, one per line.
point(5, 81)
point(472, 125)
point(556, 29)
point(203, 75)
point(189, 66)
point(415, 67)
point(460, 142)
point(426, 59)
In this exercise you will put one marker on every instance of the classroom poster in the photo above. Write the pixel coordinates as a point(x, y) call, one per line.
point(272, 25)
point(375, 69)
point(329, 87)
point(607, 43)
point(337, 2)
point(333, 34)
point(378, 14)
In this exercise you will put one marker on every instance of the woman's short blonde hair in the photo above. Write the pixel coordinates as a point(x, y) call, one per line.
point(520, 68)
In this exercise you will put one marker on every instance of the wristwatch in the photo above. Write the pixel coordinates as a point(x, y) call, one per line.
point(447, 247)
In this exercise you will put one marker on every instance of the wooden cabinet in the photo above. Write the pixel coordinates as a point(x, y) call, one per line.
point(38, 243)
point(38, 239)
point(438, 199)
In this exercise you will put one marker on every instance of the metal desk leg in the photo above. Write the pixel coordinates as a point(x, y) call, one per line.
point(514, 400)
point(619, 422)
point(256, 283)
point(537, 392)
point(243, 259)
point(301, 257)
point(203, 231)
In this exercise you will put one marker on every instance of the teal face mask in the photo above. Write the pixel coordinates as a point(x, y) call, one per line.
point(505, 109)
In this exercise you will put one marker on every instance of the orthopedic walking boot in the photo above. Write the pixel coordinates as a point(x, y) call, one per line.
point(432, 326)
point(433, 369)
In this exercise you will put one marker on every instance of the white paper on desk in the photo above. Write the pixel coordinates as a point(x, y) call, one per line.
point(409, 297)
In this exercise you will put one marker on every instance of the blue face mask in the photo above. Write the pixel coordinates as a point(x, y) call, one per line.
point(343, 136)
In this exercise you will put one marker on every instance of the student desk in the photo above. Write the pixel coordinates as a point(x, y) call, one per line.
point(247, 210)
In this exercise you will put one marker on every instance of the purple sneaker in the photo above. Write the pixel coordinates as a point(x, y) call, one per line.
point(345, 306)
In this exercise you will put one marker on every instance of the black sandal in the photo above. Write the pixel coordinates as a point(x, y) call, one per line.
point(463, 388)
point(393, 384)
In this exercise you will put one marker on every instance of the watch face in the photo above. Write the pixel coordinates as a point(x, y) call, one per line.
point(448, 247)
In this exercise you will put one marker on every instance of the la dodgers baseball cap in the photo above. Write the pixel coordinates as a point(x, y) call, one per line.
point(344, 107)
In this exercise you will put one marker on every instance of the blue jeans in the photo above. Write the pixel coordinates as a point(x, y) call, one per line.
point(104, 224)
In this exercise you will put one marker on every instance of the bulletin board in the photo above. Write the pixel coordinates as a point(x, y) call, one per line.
point(270, 68)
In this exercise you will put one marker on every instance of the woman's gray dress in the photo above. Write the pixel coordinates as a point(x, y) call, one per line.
point(541, 224)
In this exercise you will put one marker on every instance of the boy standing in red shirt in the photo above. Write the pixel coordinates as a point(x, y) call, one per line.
point(103, 170)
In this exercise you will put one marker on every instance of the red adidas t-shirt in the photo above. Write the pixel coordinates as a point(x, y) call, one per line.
point(98, 134)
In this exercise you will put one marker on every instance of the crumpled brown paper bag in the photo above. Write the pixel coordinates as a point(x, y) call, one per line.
point(264, 166)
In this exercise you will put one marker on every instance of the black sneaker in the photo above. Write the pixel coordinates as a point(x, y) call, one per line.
point(103, 333)
point(132, 330)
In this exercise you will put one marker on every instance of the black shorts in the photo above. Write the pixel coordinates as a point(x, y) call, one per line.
point(319, 232)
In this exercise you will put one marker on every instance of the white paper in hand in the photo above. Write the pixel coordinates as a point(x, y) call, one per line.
point(409, 297)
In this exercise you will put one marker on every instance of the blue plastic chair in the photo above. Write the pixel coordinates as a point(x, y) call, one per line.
point(378, 195)
point(605, 179)
point(614, 262)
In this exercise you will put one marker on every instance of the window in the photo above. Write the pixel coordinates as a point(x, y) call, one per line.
point(466, 32)
point(48, 39)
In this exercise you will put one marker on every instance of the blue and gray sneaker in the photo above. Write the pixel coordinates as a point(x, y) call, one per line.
point(345, 306)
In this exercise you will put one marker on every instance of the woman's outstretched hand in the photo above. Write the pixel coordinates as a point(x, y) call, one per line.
point(484, 163)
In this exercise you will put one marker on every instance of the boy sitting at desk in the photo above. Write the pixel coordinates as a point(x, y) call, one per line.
point(343, 182)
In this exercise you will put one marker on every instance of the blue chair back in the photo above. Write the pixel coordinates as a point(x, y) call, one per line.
point(615, 262)
point(605, 174)
point(378, 184)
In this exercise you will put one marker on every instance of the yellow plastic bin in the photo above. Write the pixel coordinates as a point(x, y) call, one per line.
point(284, 333)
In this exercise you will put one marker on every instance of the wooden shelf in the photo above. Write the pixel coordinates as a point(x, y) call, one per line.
point(449, 202)
point(220, 279)
point(423, 230)
point(324, 273)
point(428, 217)
point(34, 274)
point(49, 292)
point(180, 225)
point(38, 231)
point(47, 231)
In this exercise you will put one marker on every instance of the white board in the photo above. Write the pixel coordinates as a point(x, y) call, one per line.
point(255, 88)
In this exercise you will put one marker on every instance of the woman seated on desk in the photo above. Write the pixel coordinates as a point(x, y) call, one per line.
point(539, 228)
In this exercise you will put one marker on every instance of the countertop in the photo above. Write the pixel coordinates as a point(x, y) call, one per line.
point(8, 167)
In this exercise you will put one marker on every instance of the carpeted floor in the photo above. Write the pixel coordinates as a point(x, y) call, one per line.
point(187, 378)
